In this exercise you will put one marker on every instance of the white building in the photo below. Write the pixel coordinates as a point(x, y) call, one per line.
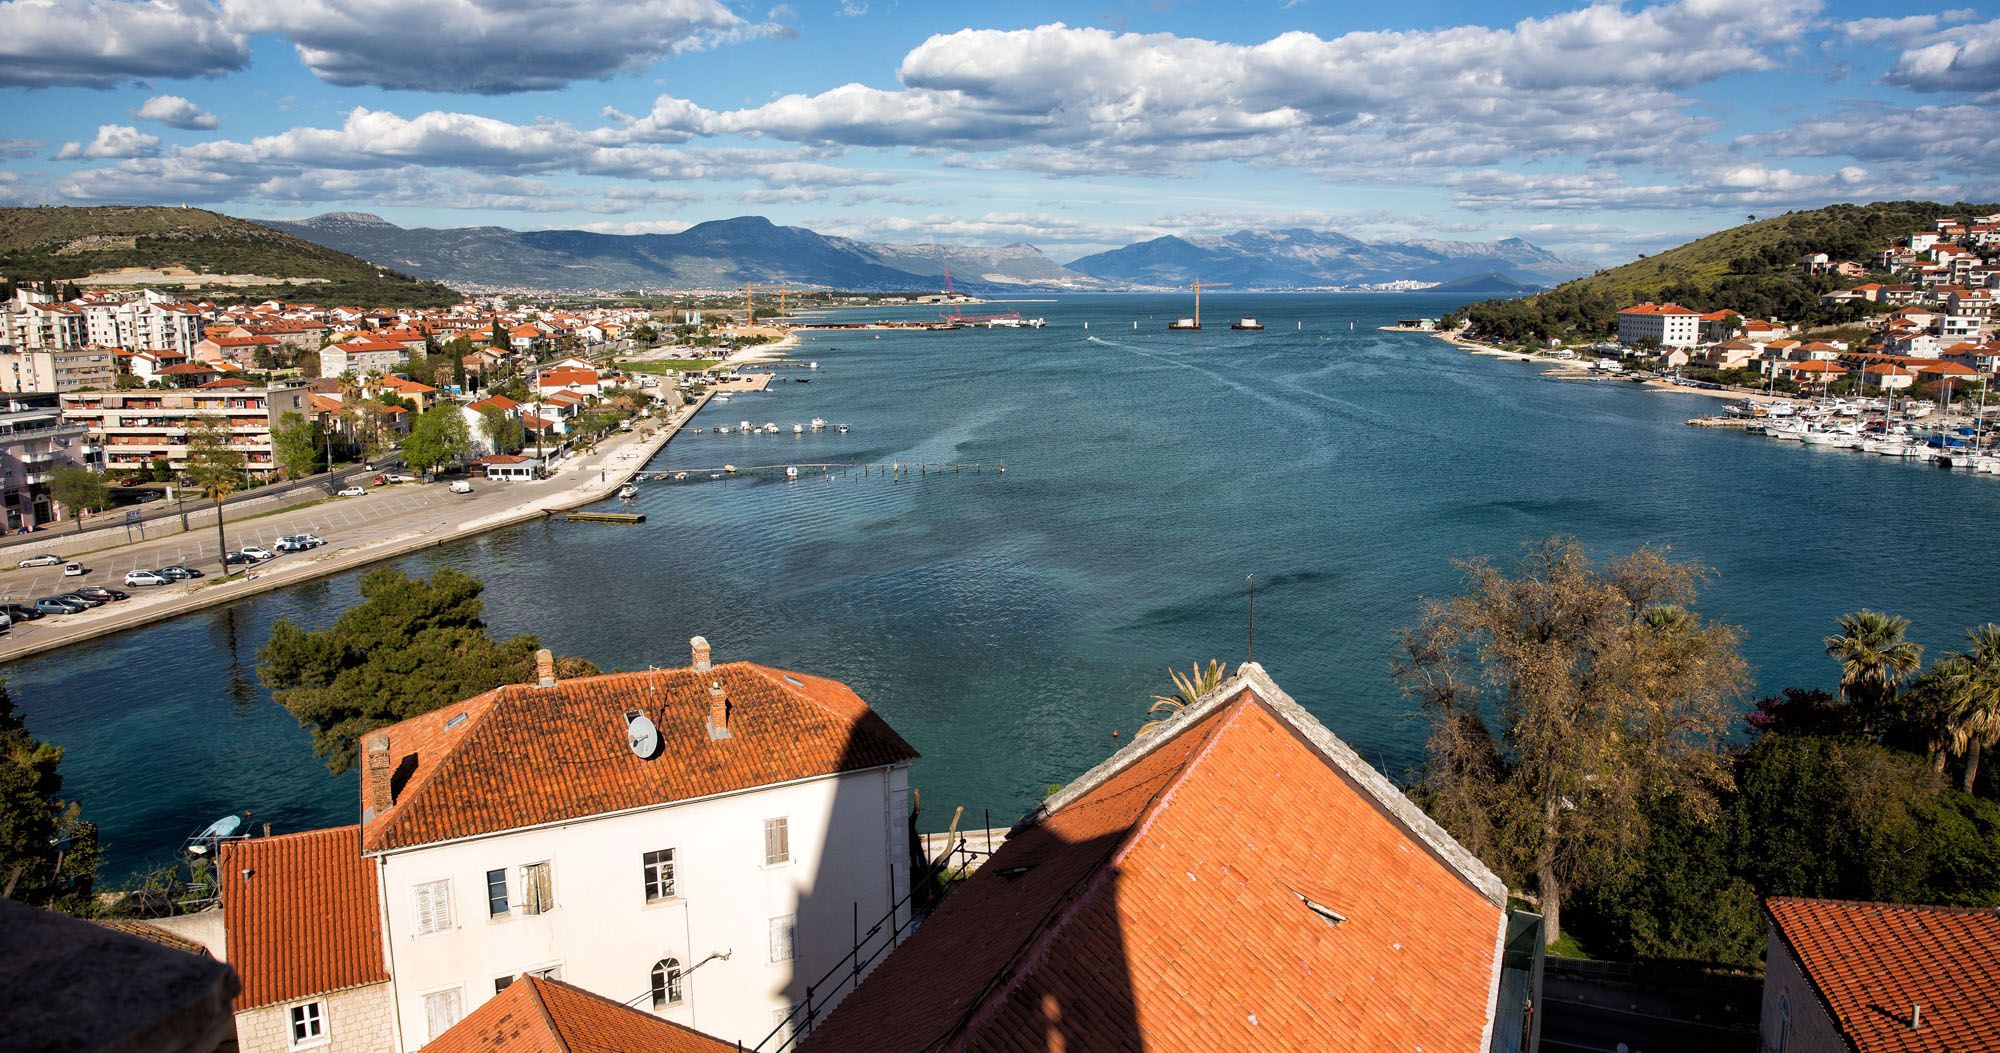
point(1668, 324)
point(707, 862)
point(361, 355)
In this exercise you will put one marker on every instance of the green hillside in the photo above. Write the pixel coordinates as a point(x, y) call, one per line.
point(63, 243)
point(1752, 269)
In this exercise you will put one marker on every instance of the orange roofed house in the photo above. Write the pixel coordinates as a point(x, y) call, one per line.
point(534, 1015)
point(697, 842)
point(1845, 977)
point(1239, 879)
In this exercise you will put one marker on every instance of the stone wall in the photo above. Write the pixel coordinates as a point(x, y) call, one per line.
point(1793, 1020)
point(359, 1020)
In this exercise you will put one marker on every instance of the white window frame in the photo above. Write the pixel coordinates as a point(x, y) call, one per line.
point(316, 1018)
point(653, 869)
point(457, 992)
point(668, 983)
point(788, 926)
point(437, 917)
point(782, 827)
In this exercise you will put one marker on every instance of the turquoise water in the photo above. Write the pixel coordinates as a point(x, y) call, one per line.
point(1007, 624)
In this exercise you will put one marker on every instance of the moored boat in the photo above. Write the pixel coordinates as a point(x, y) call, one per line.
point(1247, 325)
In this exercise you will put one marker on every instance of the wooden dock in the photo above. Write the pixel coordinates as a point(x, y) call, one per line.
point(893, 469)
point(626, 518)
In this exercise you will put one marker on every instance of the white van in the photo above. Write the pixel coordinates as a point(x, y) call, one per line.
point(461, 486)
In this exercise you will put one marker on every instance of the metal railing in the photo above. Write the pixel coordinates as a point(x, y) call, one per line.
point(903, 916)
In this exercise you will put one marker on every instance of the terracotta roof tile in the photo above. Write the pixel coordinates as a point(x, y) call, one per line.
point(300, 915)
point(1870, 962)
point(1166, 908)
point(534, 1015)
point(527, 755)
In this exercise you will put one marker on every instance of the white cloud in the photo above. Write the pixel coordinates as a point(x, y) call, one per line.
point(103, 43)
point(1902, 30)
point(112, 141)
point(20, 147)
point(487, 47)
point(1962, 59)
point(1731, 184)
point(852, 8)
point(176, 112)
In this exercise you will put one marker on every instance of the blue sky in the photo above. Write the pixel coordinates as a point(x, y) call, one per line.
point(1599, 130)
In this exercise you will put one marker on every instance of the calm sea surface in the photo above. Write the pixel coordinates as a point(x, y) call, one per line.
point(1007, 624)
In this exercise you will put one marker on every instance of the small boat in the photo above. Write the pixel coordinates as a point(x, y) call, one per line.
point(720, 429)
point(803, 380)
point(742, 425)
point(1247, 325)
point(843, 429)
point(715, 475)
point(722, 398)
point(209, 840)
point(798, 429)
point(1184, 324)
point(791, 471)
point(818, 423)
point(680, 477)
point(815, 365)
point(627, 492)
point(730, 468)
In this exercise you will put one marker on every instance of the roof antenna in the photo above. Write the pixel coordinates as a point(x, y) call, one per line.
point(1252, 655)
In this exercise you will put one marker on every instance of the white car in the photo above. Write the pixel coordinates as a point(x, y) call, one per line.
point(46, 559)
point(399, 477)
point(309, 540)
point(144, 577)
point(461, 486)
point(345, 491)
point(256, 553)
point(75, 570)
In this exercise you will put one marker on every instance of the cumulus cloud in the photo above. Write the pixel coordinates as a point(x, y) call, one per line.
point(176, 112)
point(1960, 139)
point(1962, 59)
point(112, 141)
point(20, 147)
point(487, 47)
point(1901, 30)
point(1731, 184)
point(103, 43)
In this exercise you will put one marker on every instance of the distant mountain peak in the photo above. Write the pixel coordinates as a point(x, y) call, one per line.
point(353, 219)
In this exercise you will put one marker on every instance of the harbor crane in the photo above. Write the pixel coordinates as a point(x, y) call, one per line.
point(1195, 323)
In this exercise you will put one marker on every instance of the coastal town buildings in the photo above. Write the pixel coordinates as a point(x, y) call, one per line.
point(1236, 879)
point(58, 369)
point(1666, 324)
point(138, 427)
point(1846, 977)
point(35, 440)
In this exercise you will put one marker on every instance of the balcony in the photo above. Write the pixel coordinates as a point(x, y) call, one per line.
point(42, 457)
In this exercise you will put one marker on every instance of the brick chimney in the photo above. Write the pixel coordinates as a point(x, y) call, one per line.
point(375, 772)
point(545, 668)
point(699, 645)
point(718, 710)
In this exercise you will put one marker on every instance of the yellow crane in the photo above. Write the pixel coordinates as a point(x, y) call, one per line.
point(749, 304)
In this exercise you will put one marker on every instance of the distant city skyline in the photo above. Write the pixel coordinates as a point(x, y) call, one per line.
point(1599, 131)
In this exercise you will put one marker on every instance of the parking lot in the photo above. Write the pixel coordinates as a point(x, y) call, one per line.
point(338, 520)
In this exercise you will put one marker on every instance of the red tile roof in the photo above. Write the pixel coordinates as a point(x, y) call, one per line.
point(534, 1015)
point(299, 915)
point(528, 755)
point(1870, 962)
point(1163, 904)
point(1658, 308)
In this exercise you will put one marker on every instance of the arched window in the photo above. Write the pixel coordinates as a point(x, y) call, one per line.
point(666, 982)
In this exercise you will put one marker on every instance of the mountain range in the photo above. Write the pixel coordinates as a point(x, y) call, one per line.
point(726, 253)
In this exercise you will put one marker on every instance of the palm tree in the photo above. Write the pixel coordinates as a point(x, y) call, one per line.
point(1874, 659)
point(1975, 683)
point(1934, 705)
point(1188, 690)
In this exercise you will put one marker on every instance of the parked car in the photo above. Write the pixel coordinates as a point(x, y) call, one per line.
point(131, 480)
point(137, 578)
point(99, 592)
point(399, 477)
point(239, 559)
point(258, 554)
point(81, 600)
point(178, 572)
point(298, 543)
point(6, 623)
point(58, 605)
point(311, 540)
point(461, 486)
point(345, 491)
point(46, 559)
point(21, 611)
point(74, 570)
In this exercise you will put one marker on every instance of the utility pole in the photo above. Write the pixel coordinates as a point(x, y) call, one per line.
point(749, 304)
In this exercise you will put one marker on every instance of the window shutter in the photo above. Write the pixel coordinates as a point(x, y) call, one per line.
point(426, 913)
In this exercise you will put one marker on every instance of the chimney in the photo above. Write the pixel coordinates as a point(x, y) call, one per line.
point(699, 645)
point(374, 775)
point(718, 710)
point(1916, 1017)
point(545, 667)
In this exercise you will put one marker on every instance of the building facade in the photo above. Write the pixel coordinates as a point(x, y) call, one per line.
point(137, 427)
point(34, 442)
point(70, 369)
point(1667, 324)
point(697, 842)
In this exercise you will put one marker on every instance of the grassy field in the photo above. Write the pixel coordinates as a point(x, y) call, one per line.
point(665, 366)
point(61, 243)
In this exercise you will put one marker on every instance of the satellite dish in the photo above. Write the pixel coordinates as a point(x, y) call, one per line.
point(642, 736)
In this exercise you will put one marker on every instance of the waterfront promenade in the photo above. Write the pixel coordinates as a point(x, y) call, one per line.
point(387, 522)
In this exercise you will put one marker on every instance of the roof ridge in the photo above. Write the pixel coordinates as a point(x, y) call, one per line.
point(990, 998)
point(535, 994)
point(1927, 908)
point(393, 815)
